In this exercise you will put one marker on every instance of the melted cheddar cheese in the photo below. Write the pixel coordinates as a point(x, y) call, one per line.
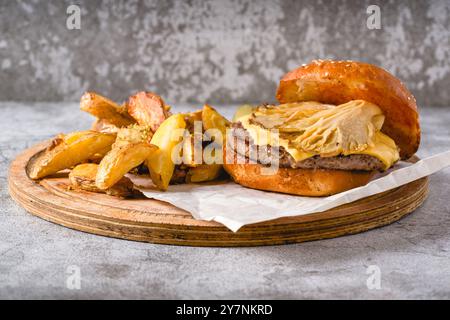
point(308, 129)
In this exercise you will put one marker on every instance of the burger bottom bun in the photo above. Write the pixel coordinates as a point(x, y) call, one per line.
point(302, 182)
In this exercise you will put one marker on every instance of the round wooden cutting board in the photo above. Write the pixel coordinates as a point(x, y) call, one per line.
point(159, 222)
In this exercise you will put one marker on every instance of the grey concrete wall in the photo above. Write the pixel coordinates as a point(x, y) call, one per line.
point(216, 51)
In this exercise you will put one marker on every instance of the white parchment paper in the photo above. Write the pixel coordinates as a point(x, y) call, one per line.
point(235, 206)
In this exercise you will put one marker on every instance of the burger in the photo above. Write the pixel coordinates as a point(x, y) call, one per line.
point(338, 123)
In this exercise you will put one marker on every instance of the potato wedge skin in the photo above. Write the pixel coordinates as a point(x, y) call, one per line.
point(69, 150)
point(214, 120)
point(204, 173)
point(105, 109)
point(148, 109)
point(160, 163)
point(119, 161)
point(82, 177)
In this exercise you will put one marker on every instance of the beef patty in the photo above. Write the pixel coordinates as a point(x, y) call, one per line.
point(351, 162)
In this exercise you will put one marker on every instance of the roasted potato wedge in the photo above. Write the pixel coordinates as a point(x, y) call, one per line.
point(196, 138)
point(105, 109)
point(191, 118)
point(160, 163)
point(214, 120)
point(242, 111)
point(213, 153)
point(204, 173)
point(102, 125)
point(179, 174)
point(83, 176)
point(69, 150)
point(119, 161)
point(133, 134)
point(148, 109)
point(188, 152)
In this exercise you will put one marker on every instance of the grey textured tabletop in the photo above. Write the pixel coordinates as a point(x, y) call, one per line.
point(413, 254)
